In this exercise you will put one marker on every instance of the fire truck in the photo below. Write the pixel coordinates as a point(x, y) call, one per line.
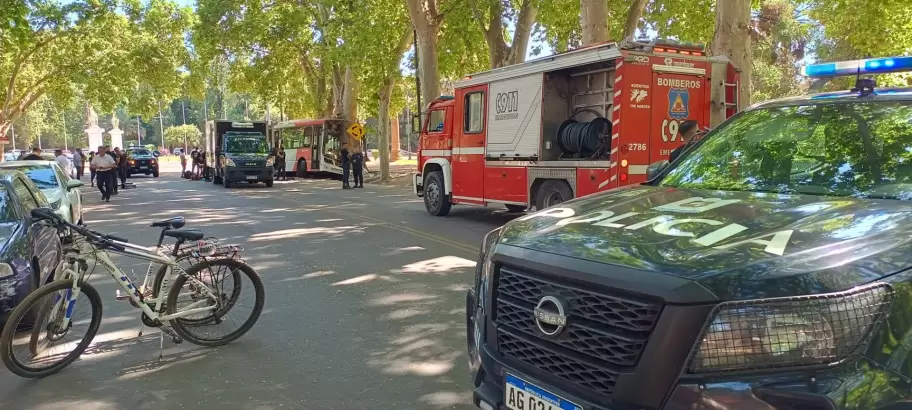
point(556, 128)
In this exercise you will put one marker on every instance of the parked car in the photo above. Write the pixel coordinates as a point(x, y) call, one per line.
point(141, 160)
point(13, 154)
point(61, 191)
point(29, 249)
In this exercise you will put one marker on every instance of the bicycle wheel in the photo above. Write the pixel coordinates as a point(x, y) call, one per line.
point(219, 270)
point(48, 304)
point(203, 275)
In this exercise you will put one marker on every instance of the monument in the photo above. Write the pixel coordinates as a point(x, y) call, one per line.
point(116, 133)
point(92, 130)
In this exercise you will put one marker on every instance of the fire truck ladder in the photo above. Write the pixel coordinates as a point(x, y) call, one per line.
point(736, 93)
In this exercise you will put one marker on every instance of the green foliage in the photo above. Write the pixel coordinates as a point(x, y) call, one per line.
point(181, 135)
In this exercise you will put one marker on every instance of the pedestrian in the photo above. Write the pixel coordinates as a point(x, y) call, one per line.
point(63, 161)
point(687, 130)
point(194, 161)
point(112, 176)
point(121, 167)
point(79, 163)
point(280, 164)
point(103, 166)
point(34, 156)
point(183, 158)
point(91, 169)
point(357, 161)
point(346, 165)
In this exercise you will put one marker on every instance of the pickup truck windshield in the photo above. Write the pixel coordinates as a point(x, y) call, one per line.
point(246, 145)
point(140, 152)
point(857, 149)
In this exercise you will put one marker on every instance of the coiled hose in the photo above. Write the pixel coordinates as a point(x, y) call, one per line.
point(581, 138)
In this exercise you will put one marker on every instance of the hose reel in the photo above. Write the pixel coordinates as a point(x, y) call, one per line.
point(582, 139)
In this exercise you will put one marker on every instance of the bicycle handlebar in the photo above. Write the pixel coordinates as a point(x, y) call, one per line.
point(103, 240)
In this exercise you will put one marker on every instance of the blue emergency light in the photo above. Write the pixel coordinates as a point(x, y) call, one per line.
point(856, 67)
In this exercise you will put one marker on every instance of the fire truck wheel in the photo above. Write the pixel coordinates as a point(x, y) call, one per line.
point(552, 192)
point(436, 200)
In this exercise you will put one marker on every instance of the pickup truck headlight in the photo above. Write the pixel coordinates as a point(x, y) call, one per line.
point(229, 162)
point(270, 161)
point(56, 204)
point(6, 270)
point(814, 330)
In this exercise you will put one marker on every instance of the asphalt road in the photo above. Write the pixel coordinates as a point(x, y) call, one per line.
point(365, 296)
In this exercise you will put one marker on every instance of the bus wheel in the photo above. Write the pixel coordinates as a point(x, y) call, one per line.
point(552, 192)
point(436, 201)
point(301, 171)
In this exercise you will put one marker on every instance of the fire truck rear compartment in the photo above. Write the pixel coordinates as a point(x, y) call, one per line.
point(576, 113)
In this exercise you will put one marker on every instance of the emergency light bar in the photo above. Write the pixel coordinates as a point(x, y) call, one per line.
point(854, 67)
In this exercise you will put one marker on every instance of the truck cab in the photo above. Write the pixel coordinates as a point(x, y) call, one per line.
point(242, 153)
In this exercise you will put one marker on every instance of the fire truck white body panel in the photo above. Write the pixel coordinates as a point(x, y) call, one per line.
point(514, 118)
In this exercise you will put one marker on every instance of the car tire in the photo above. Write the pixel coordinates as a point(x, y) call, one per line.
point(436, 201)
point(552, 192)
point(226, 183)
point(155, 173)
point(269, 183)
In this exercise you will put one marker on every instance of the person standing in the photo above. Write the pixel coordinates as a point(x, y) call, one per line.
point(63, 161)
point(121, 167)
point(34, 156)
point(183, 158)
point(112, 176)
point(79, 163)
point(103, 165)
point(346, 165)
point(357, 161)
point(91, 169)
point(280, 164)
point(193, 160)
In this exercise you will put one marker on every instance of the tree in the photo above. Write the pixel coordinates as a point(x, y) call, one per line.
point(492, 17)
point(594, 15)
point(426, 18)
point(101, 50)
point(183, 136)
point(732, 38)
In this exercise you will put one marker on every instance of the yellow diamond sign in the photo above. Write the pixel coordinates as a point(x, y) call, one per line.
point(356, 130)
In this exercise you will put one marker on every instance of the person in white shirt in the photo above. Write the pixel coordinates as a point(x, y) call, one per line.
point(104, 167)
point(63, 161)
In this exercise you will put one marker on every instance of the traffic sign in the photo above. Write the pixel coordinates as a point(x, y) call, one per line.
point(355, 130)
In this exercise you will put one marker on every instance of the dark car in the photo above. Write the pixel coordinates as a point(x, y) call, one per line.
point(29, 250)
point(768, 267)
point(141, 161)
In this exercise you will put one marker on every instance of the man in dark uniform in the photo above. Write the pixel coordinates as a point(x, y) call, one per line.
point(357, 161)
point(346, 165)
point(280, 163)
point(121, 167)
point(687, 130)
point(112, 176)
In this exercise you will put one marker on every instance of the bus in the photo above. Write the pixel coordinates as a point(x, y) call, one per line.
point(311, 146)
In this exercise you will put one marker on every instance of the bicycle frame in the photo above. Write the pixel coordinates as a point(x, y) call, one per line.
point(136, 252)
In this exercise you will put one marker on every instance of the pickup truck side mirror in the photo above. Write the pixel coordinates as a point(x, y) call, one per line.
point(655, 168)
point(416, 124)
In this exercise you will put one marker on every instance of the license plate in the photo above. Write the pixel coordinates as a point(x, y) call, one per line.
point(251, 177)
point(522, 395)
point(143, 167)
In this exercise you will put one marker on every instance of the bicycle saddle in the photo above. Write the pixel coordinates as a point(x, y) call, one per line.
point(189, 234)
point(176, 222)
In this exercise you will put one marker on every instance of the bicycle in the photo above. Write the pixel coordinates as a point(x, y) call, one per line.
point(70, 281)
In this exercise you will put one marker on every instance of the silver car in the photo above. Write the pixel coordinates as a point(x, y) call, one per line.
point(61, 191)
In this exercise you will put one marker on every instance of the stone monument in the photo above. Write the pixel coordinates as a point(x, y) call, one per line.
point(116, 133)
point(92, 130)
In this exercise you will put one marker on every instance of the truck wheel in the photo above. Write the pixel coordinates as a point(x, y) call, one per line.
point(301, 171)
point(552, 192)
point(269, 183)
point(155, 173)
point(436, 201)
point(515, 209)
point(226, 183)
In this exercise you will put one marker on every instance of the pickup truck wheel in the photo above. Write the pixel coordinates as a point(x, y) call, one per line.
point(226, 183)
point(436, 201)
point(269, 183)
point(155, 173)
point(552, 192)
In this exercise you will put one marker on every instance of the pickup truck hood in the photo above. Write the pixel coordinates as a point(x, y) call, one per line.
point(738, 245)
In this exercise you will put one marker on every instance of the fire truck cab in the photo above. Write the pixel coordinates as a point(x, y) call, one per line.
point(560, 127)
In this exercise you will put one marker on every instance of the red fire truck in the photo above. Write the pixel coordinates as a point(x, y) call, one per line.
point(568, 125)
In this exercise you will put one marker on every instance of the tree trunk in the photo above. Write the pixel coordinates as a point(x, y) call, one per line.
point(394, 138)
point(350, 103)
point(386, 92)
point(594, 20)
point(732, 39)
point(499, 53)
point(338, 92)
point(5, 126)
point(634, 14)
point(427, 63)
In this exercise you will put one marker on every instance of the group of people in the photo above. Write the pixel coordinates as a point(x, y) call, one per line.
point(106, 166)
point(197, 163)
point(352, 163)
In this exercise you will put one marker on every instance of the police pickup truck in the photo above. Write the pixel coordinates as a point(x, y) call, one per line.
point(768, 267)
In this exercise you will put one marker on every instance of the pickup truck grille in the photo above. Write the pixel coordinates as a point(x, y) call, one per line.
point(604, 337)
